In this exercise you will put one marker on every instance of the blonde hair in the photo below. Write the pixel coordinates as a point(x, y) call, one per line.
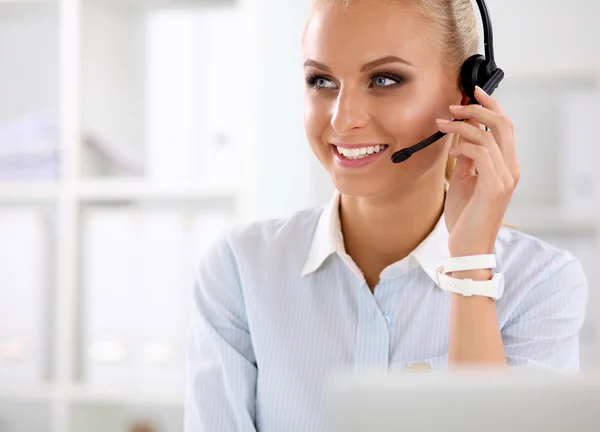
point(455, 33)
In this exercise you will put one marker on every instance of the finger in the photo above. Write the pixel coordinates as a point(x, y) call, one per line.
point(464, 167)
point(500, 126)
point(472, 132)
point(477, 112)
point(487, 101)
point(488, 180)
point(506, 141)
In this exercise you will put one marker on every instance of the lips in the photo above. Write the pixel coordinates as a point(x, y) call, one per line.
point(360, 152)
point(358, 155)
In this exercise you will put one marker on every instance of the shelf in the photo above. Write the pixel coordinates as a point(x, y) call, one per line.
point(27, 2)
point(28, 394)
point(28, 190)
point(137, 190)
point(82, 394)
point(550, 219)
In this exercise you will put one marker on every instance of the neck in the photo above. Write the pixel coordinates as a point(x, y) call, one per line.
point(379, 231)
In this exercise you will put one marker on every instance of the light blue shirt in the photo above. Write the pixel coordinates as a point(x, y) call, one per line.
point(279, 305)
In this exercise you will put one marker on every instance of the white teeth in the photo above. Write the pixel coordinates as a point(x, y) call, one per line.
point(358, 153)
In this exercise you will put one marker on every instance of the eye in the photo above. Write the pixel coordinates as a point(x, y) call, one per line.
point(379, 81)
point(318, 82)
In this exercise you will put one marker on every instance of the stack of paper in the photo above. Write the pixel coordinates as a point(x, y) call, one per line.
point(29, 150)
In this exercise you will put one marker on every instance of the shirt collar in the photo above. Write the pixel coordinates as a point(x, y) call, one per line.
point(431, 253)
point(327, 237)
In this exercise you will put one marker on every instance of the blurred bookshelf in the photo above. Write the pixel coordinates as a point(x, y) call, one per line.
point(87, 91)
point(85, 115)
point(23, 191)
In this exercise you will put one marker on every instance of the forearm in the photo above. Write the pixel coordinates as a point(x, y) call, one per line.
point(474, 330)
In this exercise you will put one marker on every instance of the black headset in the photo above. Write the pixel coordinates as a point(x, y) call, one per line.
point(476, 70)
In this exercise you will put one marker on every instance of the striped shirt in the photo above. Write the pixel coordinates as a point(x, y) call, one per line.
point(279, 305)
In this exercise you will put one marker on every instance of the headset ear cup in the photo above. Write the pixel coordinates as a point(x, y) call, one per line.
point(473, 73)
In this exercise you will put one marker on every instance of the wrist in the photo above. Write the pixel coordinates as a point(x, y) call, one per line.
point(471, 249)
point(477, 275)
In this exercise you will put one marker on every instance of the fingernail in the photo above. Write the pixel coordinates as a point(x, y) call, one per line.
point(442, 120)
point(456, 107)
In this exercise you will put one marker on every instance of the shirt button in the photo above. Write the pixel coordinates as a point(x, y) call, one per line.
point(419, 367)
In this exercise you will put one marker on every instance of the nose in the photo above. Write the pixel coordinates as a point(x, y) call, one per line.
point(349, 113)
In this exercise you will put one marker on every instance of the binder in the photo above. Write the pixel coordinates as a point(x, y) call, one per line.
point(157, 322)
point(174, 150)
point(139, 268)
point(197, 97)
point(109, 255)
point(222, 94)
point(24, 281)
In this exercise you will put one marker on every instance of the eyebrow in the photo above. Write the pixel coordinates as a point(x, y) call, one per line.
point(366, 67)
point(384, 60)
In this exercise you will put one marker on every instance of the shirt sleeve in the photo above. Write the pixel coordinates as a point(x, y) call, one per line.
point(544, 331)
point(220, 367)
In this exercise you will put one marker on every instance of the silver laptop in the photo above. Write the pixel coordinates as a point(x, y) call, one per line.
point(464, 401)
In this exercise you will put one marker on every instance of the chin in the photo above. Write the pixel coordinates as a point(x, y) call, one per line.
point(363, 186)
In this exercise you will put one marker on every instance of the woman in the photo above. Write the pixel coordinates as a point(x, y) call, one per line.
point(282, 304)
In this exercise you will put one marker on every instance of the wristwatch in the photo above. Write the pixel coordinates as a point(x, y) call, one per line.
point(493, 288)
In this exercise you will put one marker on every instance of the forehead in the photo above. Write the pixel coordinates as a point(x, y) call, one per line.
point(339, 36)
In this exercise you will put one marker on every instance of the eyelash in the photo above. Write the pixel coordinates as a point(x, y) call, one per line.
point(312, 78)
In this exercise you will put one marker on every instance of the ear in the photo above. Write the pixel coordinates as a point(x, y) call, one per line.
point(465, 99)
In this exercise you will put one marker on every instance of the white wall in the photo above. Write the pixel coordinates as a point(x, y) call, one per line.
point(536, 33)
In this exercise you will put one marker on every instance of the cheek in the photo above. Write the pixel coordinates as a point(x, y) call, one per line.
point(316, 120)
point(411, 121)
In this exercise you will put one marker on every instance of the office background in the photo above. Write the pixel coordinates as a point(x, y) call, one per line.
point(127, 124)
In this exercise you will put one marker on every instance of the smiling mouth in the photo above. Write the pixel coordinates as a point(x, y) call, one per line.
point(360, 152)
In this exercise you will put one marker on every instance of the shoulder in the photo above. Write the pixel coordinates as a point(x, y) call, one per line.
point(255, 254)
point(520, 252)
point(270, 239)
point(523, 254)
point(536, 270)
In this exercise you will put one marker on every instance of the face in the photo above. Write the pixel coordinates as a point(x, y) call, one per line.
point(374, 85)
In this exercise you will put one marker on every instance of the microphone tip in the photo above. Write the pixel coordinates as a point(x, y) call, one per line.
point(402, 155)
